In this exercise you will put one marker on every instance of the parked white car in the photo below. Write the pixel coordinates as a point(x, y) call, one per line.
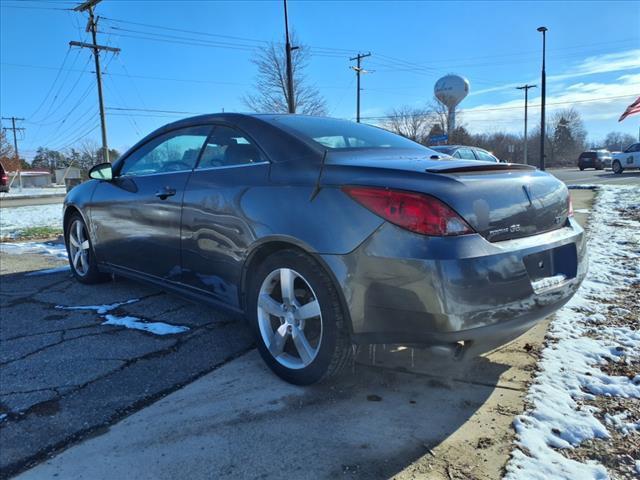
point(630, 158)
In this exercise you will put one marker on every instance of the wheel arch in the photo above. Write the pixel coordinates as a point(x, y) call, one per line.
point(69, 210)
point(268, 247)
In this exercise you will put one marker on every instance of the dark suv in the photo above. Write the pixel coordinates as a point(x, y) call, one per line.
point(4, 180)
point(597, 159)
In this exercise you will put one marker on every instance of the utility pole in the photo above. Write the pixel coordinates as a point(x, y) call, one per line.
point(543, 30)
point(92, 26)
point(291, 101)
point(358, 69)
point(15, 146)
point(526, 88)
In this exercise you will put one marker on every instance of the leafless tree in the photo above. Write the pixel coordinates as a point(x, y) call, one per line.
point(411, 122)
point(6, 150)
point(271, 95)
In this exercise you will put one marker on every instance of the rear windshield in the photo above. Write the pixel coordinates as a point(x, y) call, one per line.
point(588, 155)
point(337, 134)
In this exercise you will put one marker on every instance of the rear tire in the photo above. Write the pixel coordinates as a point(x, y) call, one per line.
point(298, 318)
point(82, 260)
point(617, 167)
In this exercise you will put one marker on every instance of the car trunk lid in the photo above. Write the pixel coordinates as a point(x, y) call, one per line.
point(501, 201)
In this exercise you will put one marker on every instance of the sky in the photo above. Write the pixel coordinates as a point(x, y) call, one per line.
point(195, 57)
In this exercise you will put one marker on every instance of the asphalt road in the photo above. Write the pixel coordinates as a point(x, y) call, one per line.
point(26, 201)
point(65, 374)
point(573, 176)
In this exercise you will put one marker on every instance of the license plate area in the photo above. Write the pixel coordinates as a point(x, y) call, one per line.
point(551, 267)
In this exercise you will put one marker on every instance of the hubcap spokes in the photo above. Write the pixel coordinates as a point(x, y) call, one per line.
point(289, 318)
point(79, 248)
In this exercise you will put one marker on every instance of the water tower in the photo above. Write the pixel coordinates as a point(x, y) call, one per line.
point(450, 90)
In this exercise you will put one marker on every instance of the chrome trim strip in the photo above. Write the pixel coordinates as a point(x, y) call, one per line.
point(153, 174)
point(224, 167)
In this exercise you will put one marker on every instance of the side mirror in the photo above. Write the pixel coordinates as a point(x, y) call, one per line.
point(102, 171)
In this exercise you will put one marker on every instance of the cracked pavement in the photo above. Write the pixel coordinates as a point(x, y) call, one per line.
point(64, 375)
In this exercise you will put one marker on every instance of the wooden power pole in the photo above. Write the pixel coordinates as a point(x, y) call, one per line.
point(291, 100)
point(15, 146)
point(92, 26)
point(358, 69)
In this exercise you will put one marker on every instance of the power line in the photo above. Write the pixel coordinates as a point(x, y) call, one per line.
point(473, 110)
point(46, 97)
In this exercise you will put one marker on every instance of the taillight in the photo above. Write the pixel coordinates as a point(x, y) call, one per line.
point(570, 214)
point(416, 212)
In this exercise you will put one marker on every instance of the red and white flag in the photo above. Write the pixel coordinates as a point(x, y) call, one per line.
point(631, 110)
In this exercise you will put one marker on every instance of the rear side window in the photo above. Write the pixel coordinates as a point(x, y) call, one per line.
point(227, 147)
point(171, 152)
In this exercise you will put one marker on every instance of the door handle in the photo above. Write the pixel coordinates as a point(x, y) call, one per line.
point(166, 193)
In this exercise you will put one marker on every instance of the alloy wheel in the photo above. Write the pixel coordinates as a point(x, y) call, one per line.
point(79, 248)
point(289, 318)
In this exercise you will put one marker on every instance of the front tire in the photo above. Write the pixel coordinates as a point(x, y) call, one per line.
point(80, 251)
point(617, 167)
point(298, 319)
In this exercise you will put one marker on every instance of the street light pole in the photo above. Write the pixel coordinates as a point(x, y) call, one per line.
point(526, 101)
point(543, 30)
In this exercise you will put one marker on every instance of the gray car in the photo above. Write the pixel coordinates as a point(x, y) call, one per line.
point(326, 233)
point(466, 153)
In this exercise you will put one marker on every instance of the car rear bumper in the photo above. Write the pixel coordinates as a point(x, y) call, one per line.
point(405, 288)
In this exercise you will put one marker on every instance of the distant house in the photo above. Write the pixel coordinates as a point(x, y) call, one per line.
point(67, 173)
point(32, 178)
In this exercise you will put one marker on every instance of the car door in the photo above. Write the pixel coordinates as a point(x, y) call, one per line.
point(136, 216)
point(631, 158)
point(217, 228)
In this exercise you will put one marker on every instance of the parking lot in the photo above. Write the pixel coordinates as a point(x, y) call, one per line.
point(69, 378)
point(66, 377)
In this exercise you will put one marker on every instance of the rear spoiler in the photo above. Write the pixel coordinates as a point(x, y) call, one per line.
point(482, 167)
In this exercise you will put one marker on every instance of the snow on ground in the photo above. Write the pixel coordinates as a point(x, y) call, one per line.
point(50, 249)
point(15, 219)
point(33, 191)
point(135, 323)
point(581, 339)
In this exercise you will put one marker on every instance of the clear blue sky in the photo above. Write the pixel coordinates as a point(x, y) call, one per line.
point(593, 53)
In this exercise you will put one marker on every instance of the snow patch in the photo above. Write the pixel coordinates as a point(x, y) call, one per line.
point(33, 191)
point(158, 328)
point(50, 249)
point(100, 309)
point(581, 342)
point(135, 323)
point(15, 219)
